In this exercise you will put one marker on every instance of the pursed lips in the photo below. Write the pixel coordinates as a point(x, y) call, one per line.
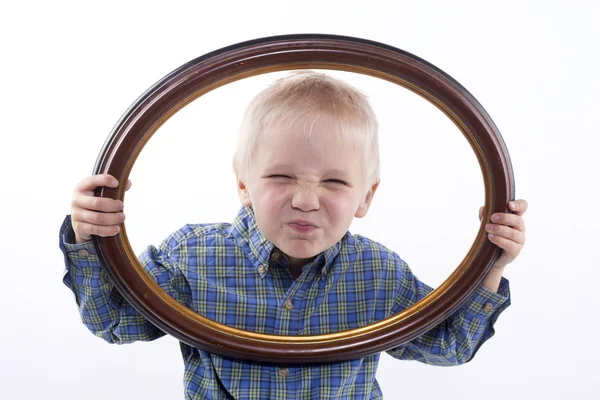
point(303, 223)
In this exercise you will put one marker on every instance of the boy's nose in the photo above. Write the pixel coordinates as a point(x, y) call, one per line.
point(305, 199)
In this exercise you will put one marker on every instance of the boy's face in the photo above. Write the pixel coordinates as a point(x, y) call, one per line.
point(305, 193)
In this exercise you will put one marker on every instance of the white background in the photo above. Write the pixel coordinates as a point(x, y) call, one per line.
point(70, 69)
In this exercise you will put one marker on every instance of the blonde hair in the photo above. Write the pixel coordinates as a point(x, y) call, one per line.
point(310, 98)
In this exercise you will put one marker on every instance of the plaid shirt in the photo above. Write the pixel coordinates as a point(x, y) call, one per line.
point(232, 274)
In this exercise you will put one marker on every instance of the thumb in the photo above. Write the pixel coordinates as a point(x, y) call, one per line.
point(480, 213)
point(128, 185)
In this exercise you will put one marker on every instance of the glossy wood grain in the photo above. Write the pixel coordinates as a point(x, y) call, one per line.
point(306, 51)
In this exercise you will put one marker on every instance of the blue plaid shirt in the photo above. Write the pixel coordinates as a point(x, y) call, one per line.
point(232, 274)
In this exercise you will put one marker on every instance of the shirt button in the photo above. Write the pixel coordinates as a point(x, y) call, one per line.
point(324, 271)
point(283, 372)
point(262, 269)
point(289, 304)
point(275, 256)
point(488, 307)
point(83, 253)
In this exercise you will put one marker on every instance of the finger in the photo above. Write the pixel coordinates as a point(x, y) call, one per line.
point(85, 230)
point(97, 218)
point(518, 206)
point(102, 204)
point(128, 185)
point(512, 220)
point(511, 248)
point(481, 213)
point(92, 182)
point(506, 232)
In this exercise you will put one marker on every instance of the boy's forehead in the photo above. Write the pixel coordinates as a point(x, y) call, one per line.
point(329, 145)
point(307, 131)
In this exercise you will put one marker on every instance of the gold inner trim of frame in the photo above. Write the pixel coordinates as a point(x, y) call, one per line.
point(306, 340)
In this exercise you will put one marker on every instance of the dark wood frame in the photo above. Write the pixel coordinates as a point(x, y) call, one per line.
point(288, 52)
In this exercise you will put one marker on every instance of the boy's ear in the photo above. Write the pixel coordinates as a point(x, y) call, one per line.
point(243, 192)
point(364, 205)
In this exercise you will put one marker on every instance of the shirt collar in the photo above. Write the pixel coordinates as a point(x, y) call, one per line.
point(329, 255)
point(259, 248)
point(249, 236)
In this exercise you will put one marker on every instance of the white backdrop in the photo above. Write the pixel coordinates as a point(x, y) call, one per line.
point(70, 69)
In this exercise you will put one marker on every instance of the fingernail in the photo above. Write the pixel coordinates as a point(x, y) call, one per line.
point(495, 217)
point(114, 182)
point(513, 204)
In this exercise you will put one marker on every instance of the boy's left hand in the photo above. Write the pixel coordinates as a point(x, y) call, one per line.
point(507, 231)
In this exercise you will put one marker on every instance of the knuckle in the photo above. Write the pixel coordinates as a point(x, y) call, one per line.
point(80, 184)
point(96, 218)
point(76, 227)
point(113, 219)
point(110, 205)
point(75, 217)
point(94, 203)
point(103, 204)
point(111, 230)
point(95, 230)
point(509, 233)
point(86, 182)
point(117, 205)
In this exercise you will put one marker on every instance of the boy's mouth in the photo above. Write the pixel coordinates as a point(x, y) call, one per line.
point(302, 226)
point(302, 222)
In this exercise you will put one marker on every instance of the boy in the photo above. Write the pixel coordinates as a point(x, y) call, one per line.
point(307, 163)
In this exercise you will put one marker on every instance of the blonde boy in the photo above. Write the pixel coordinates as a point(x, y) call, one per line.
point(307, 163)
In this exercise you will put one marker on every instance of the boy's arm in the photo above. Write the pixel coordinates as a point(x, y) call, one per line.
point(102, 308)
point(456, 339)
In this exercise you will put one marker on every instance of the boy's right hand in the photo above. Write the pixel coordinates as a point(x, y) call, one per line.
point(92, 215)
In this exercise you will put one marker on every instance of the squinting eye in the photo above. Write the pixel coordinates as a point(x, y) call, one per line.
point(280, 176)
point(337, 181)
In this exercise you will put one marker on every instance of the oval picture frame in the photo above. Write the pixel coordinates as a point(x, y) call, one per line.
point(290, 52)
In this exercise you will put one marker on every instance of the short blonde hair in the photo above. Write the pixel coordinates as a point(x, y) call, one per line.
point(310, 98)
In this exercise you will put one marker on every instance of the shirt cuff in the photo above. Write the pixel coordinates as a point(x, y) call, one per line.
point(486, 304)
point(81, 254)
point(78, 257)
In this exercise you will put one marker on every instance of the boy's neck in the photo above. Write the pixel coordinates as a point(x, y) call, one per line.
point(295, 271)
point(295, 266)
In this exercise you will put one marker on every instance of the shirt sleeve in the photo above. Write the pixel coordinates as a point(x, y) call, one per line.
point(104, 311)
point(456, 339)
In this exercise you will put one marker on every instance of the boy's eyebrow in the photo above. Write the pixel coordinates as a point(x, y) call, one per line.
point(331, 172)
point(338, 172)
point(278, 166)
